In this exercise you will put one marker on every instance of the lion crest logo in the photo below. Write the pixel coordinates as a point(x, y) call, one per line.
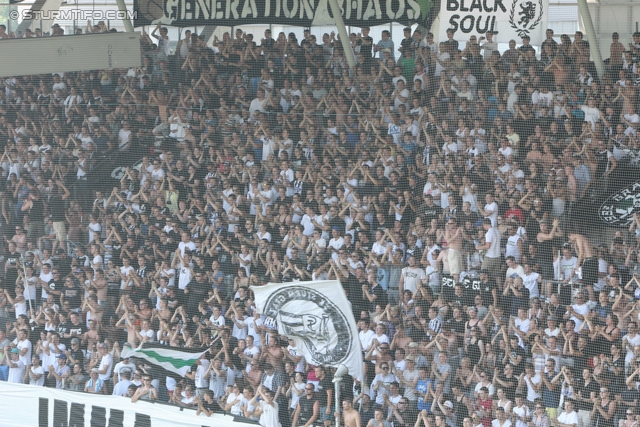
point(525, 15)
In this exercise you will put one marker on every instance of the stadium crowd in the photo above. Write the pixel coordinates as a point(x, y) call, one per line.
point(438, 182)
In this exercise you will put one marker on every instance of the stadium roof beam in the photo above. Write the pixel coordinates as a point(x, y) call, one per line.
point(342, 31)
point(207, 32)
point(585, 16)
point(37, 6)
point(128, 26)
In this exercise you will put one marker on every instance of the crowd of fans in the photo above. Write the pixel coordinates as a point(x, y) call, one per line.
point(437, 182)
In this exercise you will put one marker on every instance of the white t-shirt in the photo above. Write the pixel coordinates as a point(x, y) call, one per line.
point(149, 334)
point(582, 310)
point(496, 423)
point(521, 413)
point(366, 338)
point(493, 237)
point(45, 278)
point(126, 271)
point(36, 371)
point(16, 374)
point(531, 282)
point(107, 360)
point(121, 366)
point(20, 345)
point(493, 207)
point(413, 276)
point(531, 393)
point(236, 409)
point(591, 115)
point(571, 418)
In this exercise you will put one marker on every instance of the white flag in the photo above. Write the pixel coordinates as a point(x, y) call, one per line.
point(173, 359)
point(318, 317)
point(513, 19)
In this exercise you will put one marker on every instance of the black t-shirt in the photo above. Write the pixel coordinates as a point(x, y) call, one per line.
point(448, 283)
point(456, 326)
point(431, 212)
point(471, 288)
point(56, 208)
point(76, 331)
point(515, 352)
point(510, 390)
point(36, 212)
point(63, 265)
point(73, 295)
point(62, 329)
point(197, 288)
point(518, 302)
point(382, 298)
point(78, 356)
point(211, 407)
point(324, 386)
point(586, 390)
point(366, 50)
point(224, 258)
point(627, 396)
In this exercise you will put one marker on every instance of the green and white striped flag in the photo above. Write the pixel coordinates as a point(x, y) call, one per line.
point(173, 359)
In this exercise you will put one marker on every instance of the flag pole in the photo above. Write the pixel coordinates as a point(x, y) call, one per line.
point(26, 286)
point(337, 379)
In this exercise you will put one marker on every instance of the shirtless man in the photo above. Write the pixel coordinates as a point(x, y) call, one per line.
point(91, 306)
point(400, 339)
point(92, 336)
point(128, 323)
point(101, 286)
point(582, 245)
point(350, 417)
point(273, 354)
point(587, 259)
point(454, 235)
point(143, 310)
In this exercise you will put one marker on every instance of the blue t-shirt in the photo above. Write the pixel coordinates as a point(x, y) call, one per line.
point(421, 387)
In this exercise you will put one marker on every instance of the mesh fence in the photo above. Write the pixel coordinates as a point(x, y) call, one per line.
point(477, 202)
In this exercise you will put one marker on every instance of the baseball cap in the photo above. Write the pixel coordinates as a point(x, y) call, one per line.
point(413, 345)
point(15, 350)
point(448, 404)
point(75, 341)
point(411, 358)
point(95, 370)
point(61, 356)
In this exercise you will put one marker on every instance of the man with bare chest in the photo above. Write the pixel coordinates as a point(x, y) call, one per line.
point(588, 260)
point(350, 417)
point(100, 284)
point(454, 235)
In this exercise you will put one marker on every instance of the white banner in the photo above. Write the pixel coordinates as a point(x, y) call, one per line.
point(28, 406)
point(318, 317)
point(513, 19)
